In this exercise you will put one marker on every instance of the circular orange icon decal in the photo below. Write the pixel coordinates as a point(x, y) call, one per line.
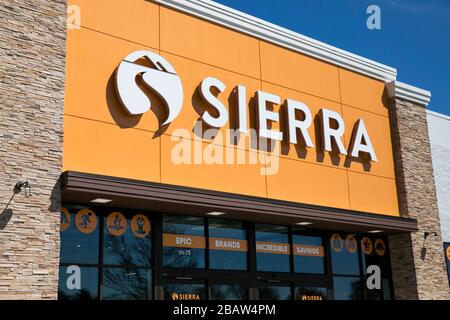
point(140, 226)
point(380, 248)
point(350, 244)
point(65, 219)
point(336, 243)
point(448, 253)
point(86, 220)
point(116, 223)
point(366, 245)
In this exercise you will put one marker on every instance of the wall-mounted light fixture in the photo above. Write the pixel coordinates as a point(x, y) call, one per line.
point(23, 184)
point(428, 233)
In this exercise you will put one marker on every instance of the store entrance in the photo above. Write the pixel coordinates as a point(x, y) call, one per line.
point(193, 284)
point(187, 288)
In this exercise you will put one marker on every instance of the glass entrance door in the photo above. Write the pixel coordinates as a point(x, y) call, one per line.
point(311, 293)
point(185, 289)
point(198, 289)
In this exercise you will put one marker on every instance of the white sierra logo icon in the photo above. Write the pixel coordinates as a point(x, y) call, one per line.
point(162, 80)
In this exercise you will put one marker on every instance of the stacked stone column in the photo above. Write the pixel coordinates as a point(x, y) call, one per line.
point(32, 77)
point(418, 263)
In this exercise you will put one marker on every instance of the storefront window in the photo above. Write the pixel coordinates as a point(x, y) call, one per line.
point(127, 241)
point(185, 291)
point(227, 245)
point(375, 266)
point(311, 293)
point(347, 288)
point(309, 253)
point(126, 284)
point(386, 286)
point(228, 292)
point(123, 271)
point(183, 242)
point(447, 258)
point(344, 254)
point(108, 254)
point(275, 293)
point(272, 248)
point(79, 235)
point(374, 253)
point(78, 283)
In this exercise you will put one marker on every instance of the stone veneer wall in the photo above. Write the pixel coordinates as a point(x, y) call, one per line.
point(418, 265)
point(32, 76)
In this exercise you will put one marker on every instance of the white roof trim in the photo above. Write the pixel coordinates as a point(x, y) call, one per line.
point(400, 90)
point(239, 21)
point(438, 115)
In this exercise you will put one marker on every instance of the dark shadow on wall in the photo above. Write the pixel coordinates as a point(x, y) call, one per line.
point(385, 98)
point(55, 196)
point(300, 147)
point(6, 213)
point(320, 149)
point(120, 116)
point(5, 216)
point(363, 158)
point(201, 129)
point(123, 119)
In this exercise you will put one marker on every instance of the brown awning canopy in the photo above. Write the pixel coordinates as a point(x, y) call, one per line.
point(82, 188)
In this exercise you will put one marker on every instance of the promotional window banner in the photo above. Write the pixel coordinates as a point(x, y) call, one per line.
point(86, 221)
point(447, 252)
point(350, 243)
point(336, 243)
point(272, 247)
point(228, 244)
point(183, 241)
point(308, 251)
point(367, 245)
point(116, 223)
point(65, 219)
point(380, 247)
point(140, 225)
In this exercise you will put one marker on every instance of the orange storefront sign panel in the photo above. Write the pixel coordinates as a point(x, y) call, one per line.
point(183, 241)
point(101, 137)
point(308, 251)
point(272, 247)
point(228, 244)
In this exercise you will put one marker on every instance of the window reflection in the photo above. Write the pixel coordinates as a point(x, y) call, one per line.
point(126, 284)
point(227, 245)
point(183, 242)
point(132, 246)
point(344, 254)
point(309, 253)
point(184, 291)
point(229, 292)
point(386, 286)
point(272, 248)
point(310, 293)
point(347, 288)
point(78, 283)
point(375, 253)
point(79, 244)
point(275, 293)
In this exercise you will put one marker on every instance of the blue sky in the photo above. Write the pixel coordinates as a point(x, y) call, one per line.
point(414, 35)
